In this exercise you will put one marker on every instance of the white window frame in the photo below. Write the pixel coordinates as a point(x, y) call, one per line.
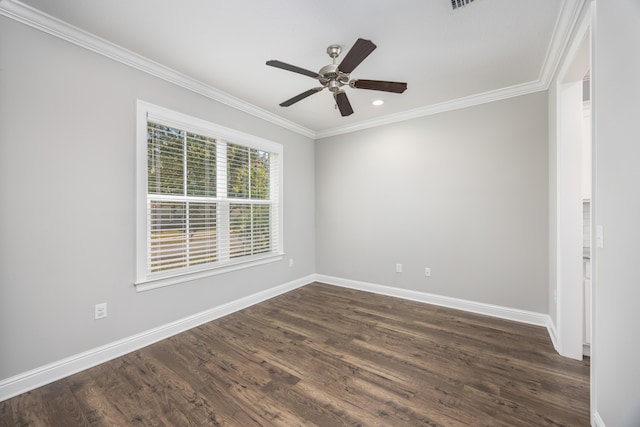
point(150, 112)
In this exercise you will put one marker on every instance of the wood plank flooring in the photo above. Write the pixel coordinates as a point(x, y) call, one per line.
point(326, 356)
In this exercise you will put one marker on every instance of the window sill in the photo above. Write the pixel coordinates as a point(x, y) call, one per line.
point(154, 283)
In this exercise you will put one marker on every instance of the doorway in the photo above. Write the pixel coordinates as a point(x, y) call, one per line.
point(574, 198)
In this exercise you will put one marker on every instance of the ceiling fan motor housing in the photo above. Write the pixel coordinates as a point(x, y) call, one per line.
point(333, 78)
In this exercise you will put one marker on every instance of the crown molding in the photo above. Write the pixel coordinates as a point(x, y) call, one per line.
point(41, 21)
point(565, 24)
point(456, 104)
point(564, 27)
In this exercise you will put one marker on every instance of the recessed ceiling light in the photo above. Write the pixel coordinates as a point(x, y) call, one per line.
point(378, 102)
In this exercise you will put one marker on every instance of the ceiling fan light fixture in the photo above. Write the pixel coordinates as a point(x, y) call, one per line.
point(334, 85)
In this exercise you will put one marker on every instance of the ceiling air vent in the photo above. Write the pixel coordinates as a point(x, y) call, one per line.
point(459, 3)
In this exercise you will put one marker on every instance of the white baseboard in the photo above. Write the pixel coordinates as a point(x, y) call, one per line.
point(35, 378)
point(49, 373)
point(523, 316)
point(553, 334)
point(596, 420)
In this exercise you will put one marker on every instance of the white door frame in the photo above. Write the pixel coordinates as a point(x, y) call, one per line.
point(569, 236)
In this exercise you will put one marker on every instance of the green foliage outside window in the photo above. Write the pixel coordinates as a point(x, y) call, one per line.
point(184, 166)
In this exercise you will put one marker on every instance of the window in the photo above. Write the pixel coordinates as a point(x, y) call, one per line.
point(208, 198)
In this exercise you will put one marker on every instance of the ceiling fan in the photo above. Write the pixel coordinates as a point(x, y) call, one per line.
point(334, 76)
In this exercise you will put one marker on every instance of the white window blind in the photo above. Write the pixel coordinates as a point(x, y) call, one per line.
point(211, 198)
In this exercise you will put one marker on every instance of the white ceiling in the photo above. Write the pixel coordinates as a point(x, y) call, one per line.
point(444, 55)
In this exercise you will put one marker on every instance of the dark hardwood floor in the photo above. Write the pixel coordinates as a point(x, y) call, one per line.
point(327, 356)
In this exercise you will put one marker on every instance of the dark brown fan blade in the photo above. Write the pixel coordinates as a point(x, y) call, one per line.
point(300, 97)
point(384, 86)
point(343, 104)
point(360, 50)
point(289, 67)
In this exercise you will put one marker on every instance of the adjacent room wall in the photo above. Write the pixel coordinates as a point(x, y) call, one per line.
point(464, 193)
point(67, 183)
point(616, 342)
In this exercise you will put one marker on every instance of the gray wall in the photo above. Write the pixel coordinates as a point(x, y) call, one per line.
point(67, 188)
point(616, 375)
point(463, 192)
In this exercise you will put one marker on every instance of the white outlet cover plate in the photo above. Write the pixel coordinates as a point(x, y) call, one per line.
point(101, 310)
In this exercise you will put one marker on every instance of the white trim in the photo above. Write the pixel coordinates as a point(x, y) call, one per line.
point(51, 372)
point(565, 24)
point(596, 420)
point(568, 239)
point(155, 283)
point(39, 20)
point(429, 110)
point(522, 316)
point(582, 32)
point(153, 112)
point(553, 333)
point(146, 112)
point(559, 40)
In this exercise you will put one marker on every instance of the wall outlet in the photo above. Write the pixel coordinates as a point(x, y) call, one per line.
point(100, 311)
point(290, 262)
point(398, 268)
point(427, 272)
